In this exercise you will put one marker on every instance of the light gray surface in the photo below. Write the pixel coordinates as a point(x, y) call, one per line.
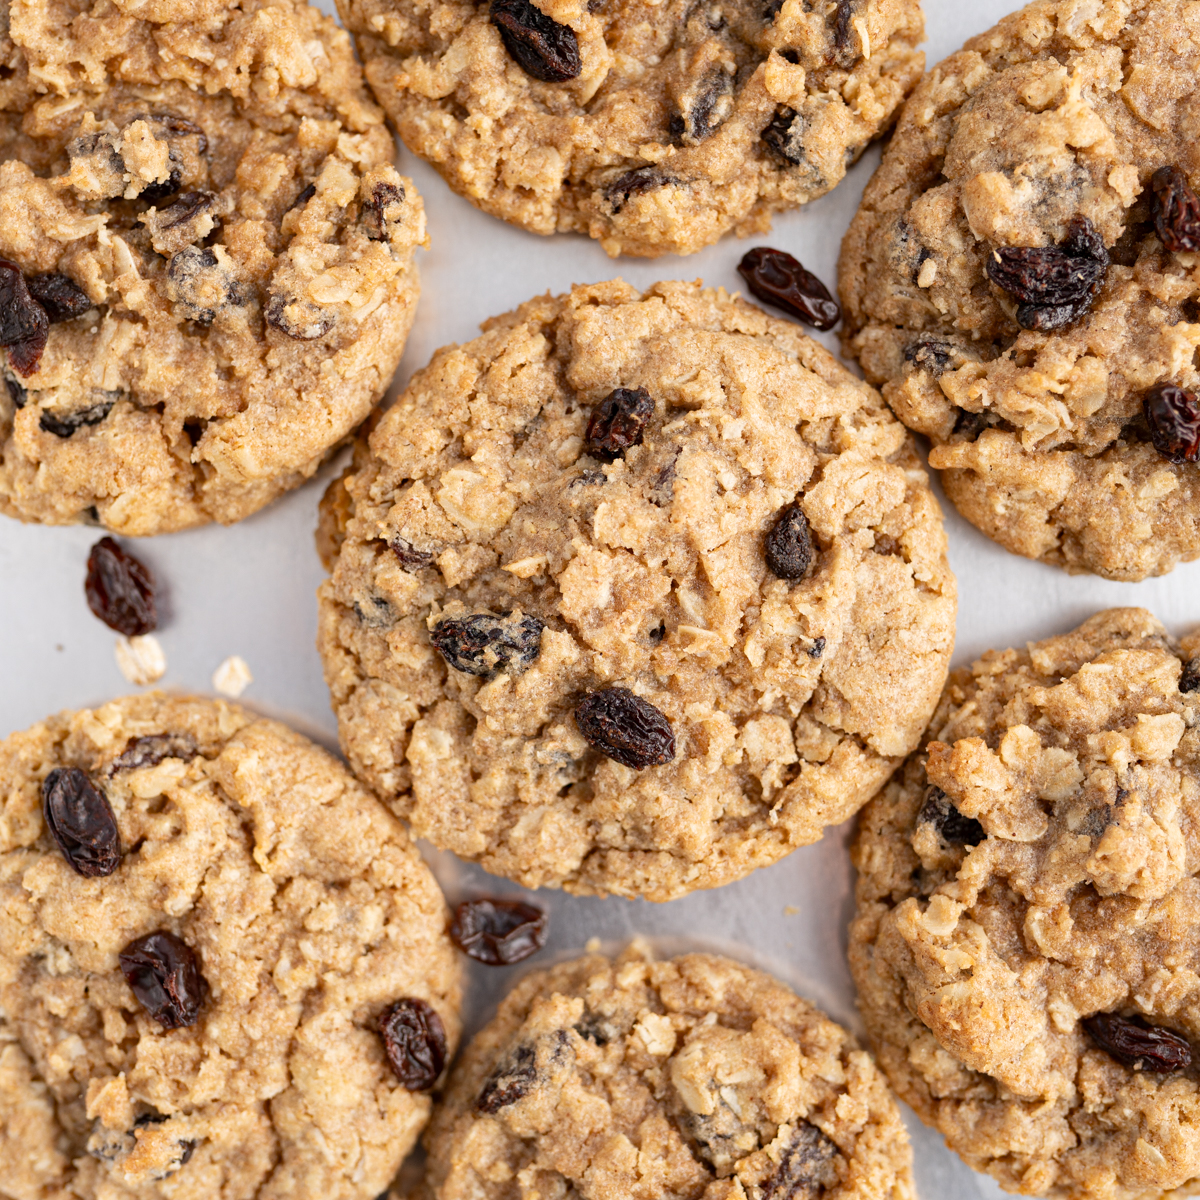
point(249, 590)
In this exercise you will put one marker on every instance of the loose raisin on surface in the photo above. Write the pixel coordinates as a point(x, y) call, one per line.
point(1053, 285)
point(1176, 210)
point(69, 423)
point(150, 750)
point(165, 977)
point(24, 325)
point(61, 297)
point(513, 1080)
point(775, 277)
point(953, 827)
point(411, 559)
point(81, 822)
point(783, 135)
point(414, 1040)
point(120, 589)
point(790, 551)
point(301, 320)
point(484, 645)
point(1189, 678)
point(626, 728)
point(806, 1167)
point(618, 422)
point(1138, 1045)
point(385, 206)
point(1173, 416)
point(702, 108)
point(498, 932)
point(637, 182)
point(540, 46)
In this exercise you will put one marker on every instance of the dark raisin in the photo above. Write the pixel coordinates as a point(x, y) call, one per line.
point(626, 728)
point(24, 325)
point(954, 828)
point(203, 285)
point(702, 108)
point(662, 490)
point(498, 932)
point(81, 822)
point(306, 194)
point(783, 135)
point(165, 977)
point(414, 1039)
point(1173, 416)
point(385, 206)
point(618, 422)
point(843, 10)
point(540, 46)
point(1176, 210)
point(969, 425)
point(817, 648)
point(152, 193)
point(771, 10)
point(1054, 285)
point(775, 277)
point(806, 1168)
point(929, 354)
point(593, 1030)
point(179, 126)
point(1189, 678)
point(299, 319)
point(120, 589)
point(790, 551)
point(635, 183)
point(150, 750)
point(61, 297)
point(67, 424)
point(411, 559)
point(484, 645)
point(16, 393)
point(1138, 1045)
point(511, 1081)
point(186, 208)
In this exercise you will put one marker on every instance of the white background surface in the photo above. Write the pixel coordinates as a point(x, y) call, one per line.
point(249, 590)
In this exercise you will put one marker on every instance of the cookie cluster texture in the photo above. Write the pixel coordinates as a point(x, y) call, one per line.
point(1025, 945)
point(1021, 281)
point(202, 918)
point(633, 593)
point(654, 127)
point(207, 208)
point(692, 1077)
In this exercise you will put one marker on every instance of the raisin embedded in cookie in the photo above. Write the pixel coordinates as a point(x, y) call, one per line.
point(633, 593)
point(1026, 942)
point(211, 939)
point(1021, 281)
point(206, 259)
point(654, 127)
point(693, 1077)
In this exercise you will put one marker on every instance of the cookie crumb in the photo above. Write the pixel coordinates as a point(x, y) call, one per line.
point(232, 677)
point(141, 659)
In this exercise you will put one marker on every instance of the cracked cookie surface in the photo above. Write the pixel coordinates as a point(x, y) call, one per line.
point(683, 120)
point(490, 572)
point(695, 1077)
point(1033, 866)
point(1063, 113)
point(217, 190)
point(309, 912)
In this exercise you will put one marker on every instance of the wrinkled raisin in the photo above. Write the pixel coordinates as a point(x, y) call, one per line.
point(1053, 285)
point(299, 319)
point(929, 354)
point(843, 10)
point(637, 182)
point(775, 277)
point(484, 645)
point(1173, 416)
point(61, 297)
point(120, 589)
point(150, 750)
point(1138, 1045)
point(540, 46)
point(790, 551)
point(165, 977)
point(511, 1081)
point(1176, 210)
point(953, 826)
point(24, 325)
point(783, 135)
point(16, 393)
point(702, 108)
point(498, 932)
point(806, 1167)
point(385, 207)
point(411, 559)
point(414, 1039)
point(626, 728)
point(69, 423)
point(969, 425)
point(81, 822)
point(1189, 678)
point(618, 422)
point(152, 193)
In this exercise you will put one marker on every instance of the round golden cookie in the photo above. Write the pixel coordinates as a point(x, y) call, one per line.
point(654, 127)
point(696, 1078)
point(287, 910)
point(652, 663)
point(208, 274)
point(1021, 279)
point(1026, 941)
